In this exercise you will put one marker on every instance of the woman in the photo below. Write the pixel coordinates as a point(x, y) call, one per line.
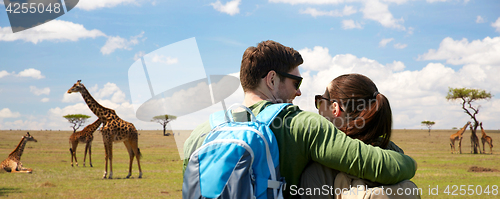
point(352, 102)
point(354, 105)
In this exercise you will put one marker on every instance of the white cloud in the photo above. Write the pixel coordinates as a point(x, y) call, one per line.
point(6, 113)
point(479, 19)
point(96, 4)
point(351, 24)
point(432, 1)
point(60, 31)
point(37, 92)
point(410, 30)
point(230, 7)
point(117, 42)
point(396, 66)
point(165, 60)
point(111, 90)
point(4, 73)
point(414, 95)
point(71, 98)
point(45, 99)
point(459, 52)
point(496, 25)
point(31, 72)
point(348, 10)
point(400, 46)
point(384, 42)
point(377, 11)
point(293, 2)
point(24, 125)
point(55, 30)
point(80, 108)
point(317, 59)
point(395, 1)
point(138, 55)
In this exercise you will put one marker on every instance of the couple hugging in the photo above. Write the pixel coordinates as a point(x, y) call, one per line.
point(344, 147)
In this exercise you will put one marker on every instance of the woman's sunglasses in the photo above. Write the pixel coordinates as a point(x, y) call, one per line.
point(318, 98)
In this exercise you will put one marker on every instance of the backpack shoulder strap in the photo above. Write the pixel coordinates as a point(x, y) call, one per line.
point(267, 115)
point(216, 119)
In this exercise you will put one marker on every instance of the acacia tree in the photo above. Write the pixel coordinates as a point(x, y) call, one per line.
point(468, 96)
point(164, 120)
point(77, 120)
point(429, 124)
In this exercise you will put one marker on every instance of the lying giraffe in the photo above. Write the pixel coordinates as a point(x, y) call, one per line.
point(84, 136)
point(114, 130)
point(458, 137)
point(13, 162)
point(485, 138)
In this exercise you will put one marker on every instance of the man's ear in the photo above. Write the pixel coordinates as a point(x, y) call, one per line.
point(271, 79)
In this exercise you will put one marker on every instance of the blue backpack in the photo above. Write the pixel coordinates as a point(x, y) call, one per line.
point(237, 159)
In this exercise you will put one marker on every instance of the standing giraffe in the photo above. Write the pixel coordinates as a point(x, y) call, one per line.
point(474, 141)
point(84, 136)
point(458, 137)
point(486, 138)
point(13, 162)
point(114, 130)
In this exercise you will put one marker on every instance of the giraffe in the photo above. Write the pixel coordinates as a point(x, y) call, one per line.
point(114, 130)
point(458, 137)
point(486, 138)
point(13, 162)
point(474, 141)
point(84, 136)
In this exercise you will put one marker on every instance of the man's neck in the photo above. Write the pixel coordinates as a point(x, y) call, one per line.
point(252, 97)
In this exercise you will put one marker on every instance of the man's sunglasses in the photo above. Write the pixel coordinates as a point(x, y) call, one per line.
point(299, 79)
point(318, 98)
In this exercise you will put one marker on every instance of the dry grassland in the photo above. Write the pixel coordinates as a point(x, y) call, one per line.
point(53, 177)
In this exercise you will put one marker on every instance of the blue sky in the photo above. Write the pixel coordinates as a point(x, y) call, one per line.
point(413, 50)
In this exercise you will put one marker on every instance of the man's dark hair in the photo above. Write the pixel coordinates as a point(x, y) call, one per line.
point(268, 55)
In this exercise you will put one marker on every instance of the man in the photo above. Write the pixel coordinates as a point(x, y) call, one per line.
point(269, 74)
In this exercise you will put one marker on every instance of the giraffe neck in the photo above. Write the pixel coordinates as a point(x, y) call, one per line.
point(463, 129)
point(18, 152)
point(465, 126)
point(482, 131)
point(99, 110)
point(92, 127)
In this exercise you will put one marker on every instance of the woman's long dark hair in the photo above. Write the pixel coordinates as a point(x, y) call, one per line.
point(369, 115)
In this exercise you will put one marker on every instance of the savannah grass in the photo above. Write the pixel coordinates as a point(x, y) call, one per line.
point(437, 167)
point(53, 176)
